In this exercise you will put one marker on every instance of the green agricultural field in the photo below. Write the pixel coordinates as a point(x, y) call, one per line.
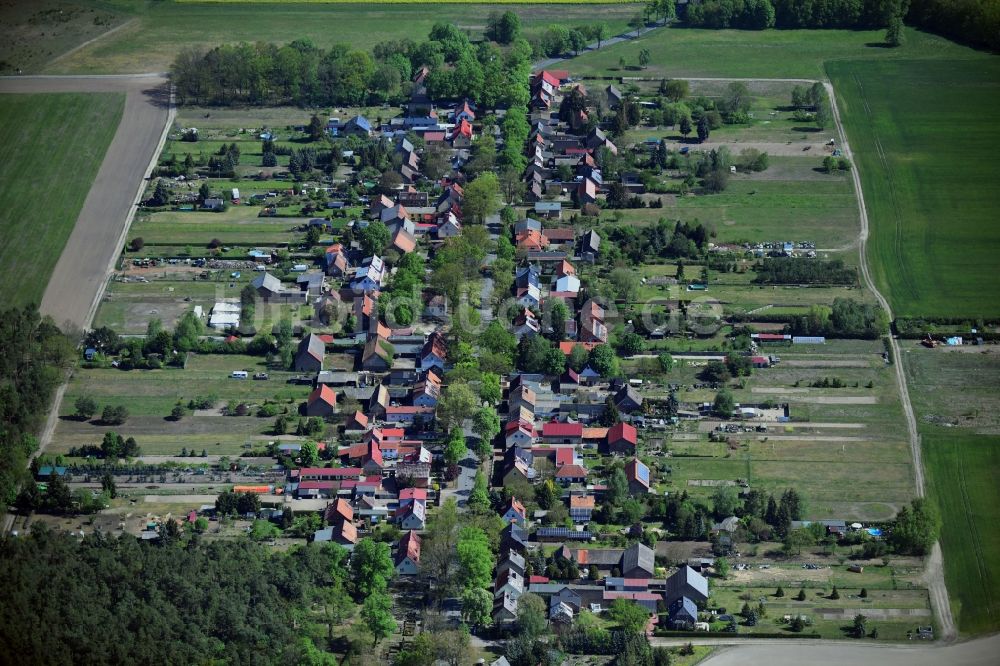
point(685, 52)
point(954, 394)
point(963, 472)
point(160, 30)
point(52, 148)
point(926, 141)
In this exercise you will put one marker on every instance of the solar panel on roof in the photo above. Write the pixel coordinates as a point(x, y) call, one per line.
point(642, 472)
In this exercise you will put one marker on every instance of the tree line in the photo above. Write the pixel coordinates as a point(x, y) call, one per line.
point(303, 74)
point(974, 22)
point(35, 356)
point(762, 14)
point(794, 270)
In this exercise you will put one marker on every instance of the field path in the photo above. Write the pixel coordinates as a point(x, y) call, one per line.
point(78, 281)
point(934, 574)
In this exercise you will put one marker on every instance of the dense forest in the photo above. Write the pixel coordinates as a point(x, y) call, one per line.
point(35, 355)
point(120, 601)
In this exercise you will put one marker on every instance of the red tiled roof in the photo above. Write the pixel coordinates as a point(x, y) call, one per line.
point(413, 494)
point(549, 78)
point(324, 393)
point(409, 546)
point(571, 472)
point(564, 456)
point(317, 485)
point(516, 506)
point(560, 234)
point(622, 431)
point(566, 347)
point(514, 425)
point(556, 429)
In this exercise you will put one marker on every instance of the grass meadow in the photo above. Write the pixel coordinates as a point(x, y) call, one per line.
point(52, 148)
point(160, 30)
point(149, 396)
point(849, 461)
point(690, 53)
point(925, 136)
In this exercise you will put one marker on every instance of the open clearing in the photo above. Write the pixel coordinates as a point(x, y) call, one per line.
point(925, 135)
point(843, 471)
point(52, 148)
point(36, 32)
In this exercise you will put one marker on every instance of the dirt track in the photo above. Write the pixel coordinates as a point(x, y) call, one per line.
point(79, 276)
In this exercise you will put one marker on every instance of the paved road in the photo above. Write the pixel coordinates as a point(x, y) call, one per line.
point(78, 281)
point(839, 653)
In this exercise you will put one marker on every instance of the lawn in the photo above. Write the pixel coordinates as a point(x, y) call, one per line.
point(681, 52)
point(162, 29)
point(52, 148)
point(926, 141)
point(790, 204)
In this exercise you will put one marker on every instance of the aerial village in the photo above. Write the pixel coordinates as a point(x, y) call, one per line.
point(443, 337)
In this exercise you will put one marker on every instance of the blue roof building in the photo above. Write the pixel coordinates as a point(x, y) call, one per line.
point(683, 613)
point(48, 471)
